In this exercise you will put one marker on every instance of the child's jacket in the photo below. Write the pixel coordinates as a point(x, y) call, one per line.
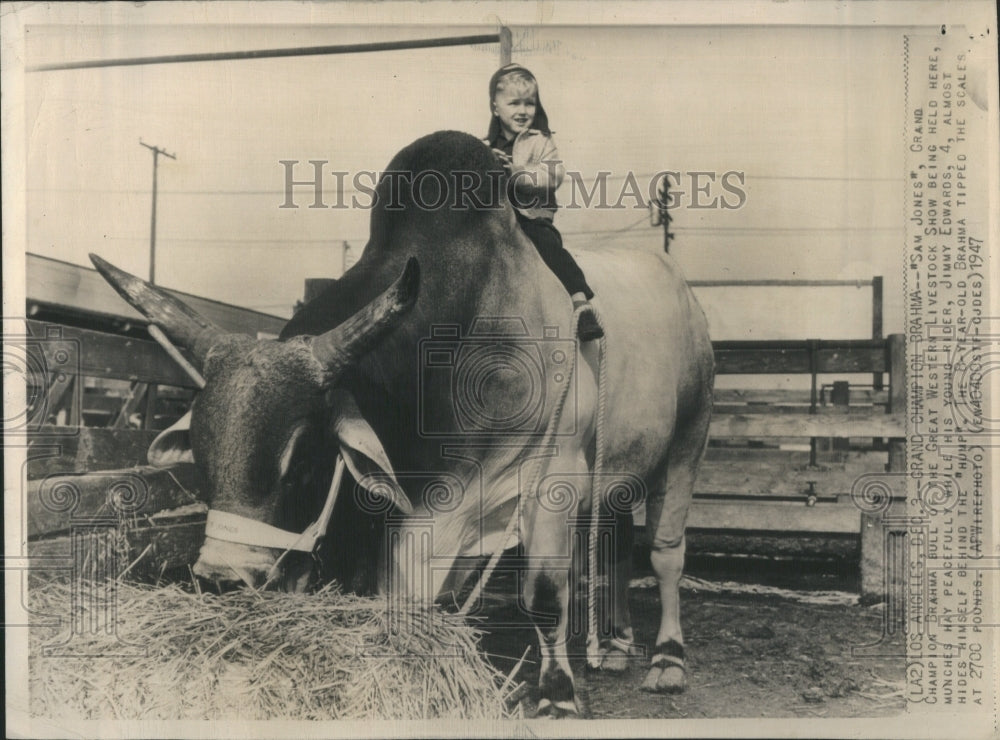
point(535, 154)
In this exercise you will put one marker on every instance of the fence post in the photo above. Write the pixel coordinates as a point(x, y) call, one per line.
point(877, 323)
point(883, 552)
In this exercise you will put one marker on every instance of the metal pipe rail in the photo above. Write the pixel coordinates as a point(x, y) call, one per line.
point(301, 51)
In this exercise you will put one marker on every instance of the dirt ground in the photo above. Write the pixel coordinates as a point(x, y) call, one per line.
point(748, 655)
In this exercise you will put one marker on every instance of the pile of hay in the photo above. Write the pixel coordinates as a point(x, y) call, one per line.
point(253, 655)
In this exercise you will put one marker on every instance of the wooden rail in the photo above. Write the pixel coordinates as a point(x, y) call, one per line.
point(876, 284)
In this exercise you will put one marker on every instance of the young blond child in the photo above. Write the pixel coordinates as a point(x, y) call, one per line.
point(520, 137)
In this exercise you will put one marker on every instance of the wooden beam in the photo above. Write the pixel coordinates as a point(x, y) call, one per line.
point(790, 283)
point(720, 515)
point(172, 544)
point(85, 449)
point(101, 355)
point(774, 517)
point(137, 394)
point(897, 375)
point(154, 490)
point(796, 546)
point(61, 393)
point(854, 459)
point(772, 478)
point(783, 396)
point(762, 409)
point(149, 413)
point(877, 308)
point(788, 358)
point(860, 423)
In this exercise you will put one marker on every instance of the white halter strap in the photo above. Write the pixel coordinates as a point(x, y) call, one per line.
point(228, 527)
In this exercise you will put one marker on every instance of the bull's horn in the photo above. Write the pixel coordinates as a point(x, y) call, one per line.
point(347, 343)
point(180, 322)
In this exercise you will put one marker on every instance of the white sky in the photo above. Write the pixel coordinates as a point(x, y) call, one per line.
point(813, 116)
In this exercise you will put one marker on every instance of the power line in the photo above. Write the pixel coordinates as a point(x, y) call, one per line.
point(280, 192)
point(285, 242)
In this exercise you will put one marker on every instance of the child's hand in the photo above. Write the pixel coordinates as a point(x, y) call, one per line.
point(504, 158)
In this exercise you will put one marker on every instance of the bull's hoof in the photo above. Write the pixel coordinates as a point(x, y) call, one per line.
point(614, 661)
point(668, 679)
point(557, 710)
point(615, 654)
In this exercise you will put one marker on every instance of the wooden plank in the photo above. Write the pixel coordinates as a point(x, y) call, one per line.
point(860, 423)
point(102, 355)
point(855, 459)
point(793, 396)
point(877, 309)
point(770, 478)
point(173, 544)
point(137, 395)
point(149, 413)
point(144, 491)
point(876, 583)
point(766, 516)
point(720, 515)
point(897, 374)
point(789, 283)
point(842, 545)
point(759, 408)
point(58, 392)
point(866, 357)
point(85, 449)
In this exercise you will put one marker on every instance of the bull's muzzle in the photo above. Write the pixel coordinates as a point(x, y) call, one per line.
point(229, 564)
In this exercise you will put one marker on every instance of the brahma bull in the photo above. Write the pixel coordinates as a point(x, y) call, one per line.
point(356, 369)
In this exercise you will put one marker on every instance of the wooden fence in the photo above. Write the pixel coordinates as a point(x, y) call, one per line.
point(779, 463)
point(796, 462)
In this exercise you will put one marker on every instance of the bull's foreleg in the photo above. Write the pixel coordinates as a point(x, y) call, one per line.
point(546, 597)
point(666, 673)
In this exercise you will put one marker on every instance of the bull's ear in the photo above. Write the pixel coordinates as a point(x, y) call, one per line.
point(172, 445)
point(363, 452)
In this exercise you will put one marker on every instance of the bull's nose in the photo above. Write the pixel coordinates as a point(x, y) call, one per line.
point(227, 562)
point(227, 576)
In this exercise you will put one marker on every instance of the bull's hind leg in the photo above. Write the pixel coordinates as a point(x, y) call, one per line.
point(665, 519)
point(618, 648)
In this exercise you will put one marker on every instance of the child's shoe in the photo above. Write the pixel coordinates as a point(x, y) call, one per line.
point(587, 329)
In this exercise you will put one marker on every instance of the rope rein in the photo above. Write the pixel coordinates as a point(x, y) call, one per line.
point(593, 642)
point(511, 533)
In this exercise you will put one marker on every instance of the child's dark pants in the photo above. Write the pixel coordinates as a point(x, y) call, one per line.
point(548, 241)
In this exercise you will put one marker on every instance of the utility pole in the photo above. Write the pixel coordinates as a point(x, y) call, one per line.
point(152, 229)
